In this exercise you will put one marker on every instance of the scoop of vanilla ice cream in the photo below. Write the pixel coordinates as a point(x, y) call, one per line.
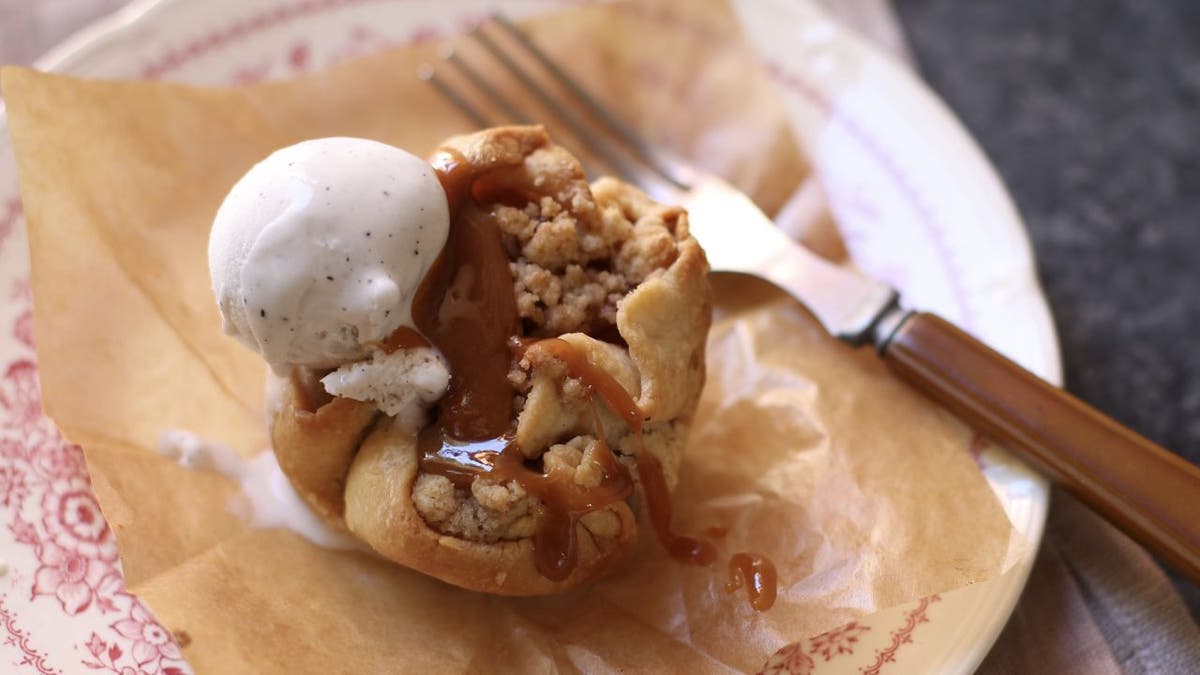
point(317, 252)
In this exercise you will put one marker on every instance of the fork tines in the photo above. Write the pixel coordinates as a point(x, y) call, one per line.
point(500, 47)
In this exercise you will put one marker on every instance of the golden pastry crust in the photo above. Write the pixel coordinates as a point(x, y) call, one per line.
point(315, 448)
point(589, 263)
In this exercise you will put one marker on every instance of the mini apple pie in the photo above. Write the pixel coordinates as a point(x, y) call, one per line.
point(496, 425)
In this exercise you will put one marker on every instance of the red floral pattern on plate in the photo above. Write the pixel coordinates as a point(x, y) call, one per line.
point(151, 641)
point(902, 635)
point(19, 638)
point(791, 660)
point(837, 641)
point(19, 398)
point(801, 658)
point(70, 556)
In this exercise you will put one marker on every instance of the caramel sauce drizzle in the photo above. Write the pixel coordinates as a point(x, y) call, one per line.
point(757, 574)
point(403, 338)
point(598, 381)
point(465, 307)
point(683, 548)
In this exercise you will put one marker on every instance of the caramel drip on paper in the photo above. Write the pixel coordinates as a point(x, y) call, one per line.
point(757, 574)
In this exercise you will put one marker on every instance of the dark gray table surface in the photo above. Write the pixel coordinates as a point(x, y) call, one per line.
point(1090, 110)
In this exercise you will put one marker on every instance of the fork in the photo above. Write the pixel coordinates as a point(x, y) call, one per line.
point(1146, 491)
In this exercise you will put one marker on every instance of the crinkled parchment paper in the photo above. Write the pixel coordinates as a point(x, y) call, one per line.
point(862, 492)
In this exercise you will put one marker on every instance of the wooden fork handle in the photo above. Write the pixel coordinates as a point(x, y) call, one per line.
point(1149, 493)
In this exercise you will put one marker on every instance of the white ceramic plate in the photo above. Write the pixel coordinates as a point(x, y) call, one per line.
point(916, 201)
